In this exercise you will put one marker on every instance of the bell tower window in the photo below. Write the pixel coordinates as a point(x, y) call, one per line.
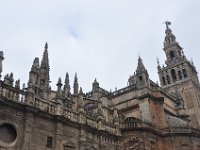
point(168, 79)
point(173, 73)
point(163, 80)
point(180, 75)
point(184, 73)
point(171, 54)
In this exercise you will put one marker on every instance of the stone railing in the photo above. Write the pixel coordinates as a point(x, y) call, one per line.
point(177, 130)
point(45, 105)
point(71, 115)
point(102, 125)
point(136, 125)
point(12, 93)
point(124, 90)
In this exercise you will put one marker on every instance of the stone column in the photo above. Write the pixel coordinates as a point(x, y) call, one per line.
point(28, 131)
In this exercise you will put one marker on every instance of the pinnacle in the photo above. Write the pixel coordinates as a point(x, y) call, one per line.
point(45, 59)
point(46, 46)
point(75, 78)
point(67, 78)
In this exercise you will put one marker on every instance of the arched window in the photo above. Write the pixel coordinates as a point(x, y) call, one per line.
point(180, 75)
point(163, 81)
point(171, 54)
point(173, 73)
point(184, 73)
point(168, 79)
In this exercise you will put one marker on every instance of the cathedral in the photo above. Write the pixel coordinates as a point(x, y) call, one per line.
point(141, 116)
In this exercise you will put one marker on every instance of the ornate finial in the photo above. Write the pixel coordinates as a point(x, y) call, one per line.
point(167, 23)
point(59, 82)
point(59, 85)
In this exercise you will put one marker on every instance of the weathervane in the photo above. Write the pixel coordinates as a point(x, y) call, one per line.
point(167, 23)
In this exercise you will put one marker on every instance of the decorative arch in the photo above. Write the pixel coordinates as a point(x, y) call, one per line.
point(131, 122)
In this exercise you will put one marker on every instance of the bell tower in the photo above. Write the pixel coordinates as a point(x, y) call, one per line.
point(180, 75)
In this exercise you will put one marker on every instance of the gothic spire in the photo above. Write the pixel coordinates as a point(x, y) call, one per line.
point(45, 58)
point(66, 86)
point(44, 70)
point(75, 84)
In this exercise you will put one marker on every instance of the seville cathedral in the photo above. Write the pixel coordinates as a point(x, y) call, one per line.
point(142, 116)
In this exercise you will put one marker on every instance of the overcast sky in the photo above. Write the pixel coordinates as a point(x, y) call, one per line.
point(95, 38)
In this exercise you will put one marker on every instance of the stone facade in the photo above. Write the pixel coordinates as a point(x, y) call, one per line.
point(141, 116)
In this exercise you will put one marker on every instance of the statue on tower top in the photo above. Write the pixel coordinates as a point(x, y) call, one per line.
point(167, 23)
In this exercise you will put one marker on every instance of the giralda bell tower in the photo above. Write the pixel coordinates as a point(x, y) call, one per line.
point(179, 76)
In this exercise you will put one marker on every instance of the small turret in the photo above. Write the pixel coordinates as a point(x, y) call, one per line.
point(76, 85)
